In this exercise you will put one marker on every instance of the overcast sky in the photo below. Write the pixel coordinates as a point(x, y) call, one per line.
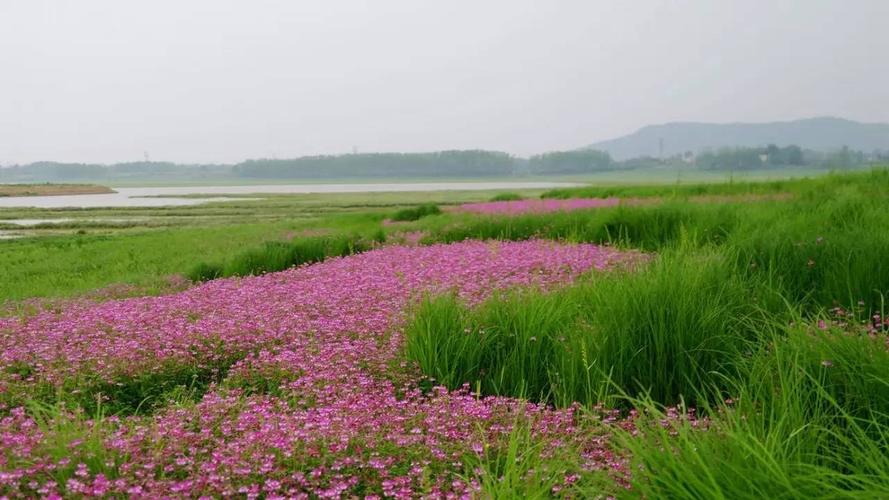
point(222, 81)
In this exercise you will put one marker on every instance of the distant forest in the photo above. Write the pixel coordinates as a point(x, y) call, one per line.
point(442, 164)
point(438, 164)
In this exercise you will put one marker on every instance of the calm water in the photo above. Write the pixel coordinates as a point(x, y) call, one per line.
point(167, 196)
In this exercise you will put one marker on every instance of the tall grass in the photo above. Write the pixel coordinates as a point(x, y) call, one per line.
point(72, 439)
point(809, 421)
point(507, 196)
point(679, 190)
point(824, 247)
point(416, 213)
point(506, 346)
point(523, 467)
point(279, 255)
point(648, 228)
point(821, 253)
point(729, 318)
point(663, 330)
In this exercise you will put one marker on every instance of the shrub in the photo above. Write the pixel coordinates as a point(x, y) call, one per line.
point(416, 213)
point(507, 197)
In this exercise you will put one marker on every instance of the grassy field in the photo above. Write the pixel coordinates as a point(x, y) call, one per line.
point(740, 349)
point(52, 189)
point(664, 175)
point(93, 248)
point(142, 245)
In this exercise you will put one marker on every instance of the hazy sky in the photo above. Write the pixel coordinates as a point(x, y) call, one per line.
point(221, 81)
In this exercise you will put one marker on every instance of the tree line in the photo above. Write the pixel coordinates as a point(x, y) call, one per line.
point(773, 156)
point(473, 163)
point(440, 164)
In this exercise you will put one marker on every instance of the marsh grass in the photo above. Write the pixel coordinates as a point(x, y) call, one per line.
point(726, 317)
point(821, 254)
point(645, 227)
point(71, 439)
point(523, 467)
point(823, 247)
point(662, 330)
point(808, 420)
point(416, 213)
point(141, 394)
point(508, 196)
point(65, 265)
point(279, 255)
point(677, 189)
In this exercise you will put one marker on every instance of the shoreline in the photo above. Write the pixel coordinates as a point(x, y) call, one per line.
point(49, 189)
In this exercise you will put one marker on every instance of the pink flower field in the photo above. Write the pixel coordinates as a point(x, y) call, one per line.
point(309, 392)
point(537, 206)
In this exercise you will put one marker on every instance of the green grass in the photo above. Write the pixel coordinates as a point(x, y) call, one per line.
point(663, 330)
point(523, 467)
point(724, 317)
point(508, 196)
point(69, 265)
point(90, 252)
point(809, 420)
point(728, 318)
point(685, 183)
point(822, 251)
point(647, 228)
point(279, 255)
point(824, 246)
point(72, 439)
point(677, 190)
point(416, 213)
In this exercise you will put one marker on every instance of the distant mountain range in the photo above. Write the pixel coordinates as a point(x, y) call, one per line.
point(818, 134)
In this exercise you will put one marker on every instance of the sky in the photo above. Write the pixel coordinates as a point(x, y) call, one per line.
point(220, 81)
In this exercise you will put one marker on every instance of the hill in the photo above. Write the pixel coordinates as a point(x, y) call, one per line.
point(818, 134)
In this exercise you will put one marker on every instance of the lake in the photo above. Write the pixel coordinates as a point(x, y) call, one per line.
point(169, 196)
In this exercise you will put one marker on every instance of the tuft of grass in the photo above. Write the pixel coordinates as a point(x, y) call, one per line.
point(506, 346)
point(822, 253)
point(140, 394)
point(798, 427)
point(507, 197)
point(204, 271)
point(279, 255)
point(71, 439)
point(416, 213)
point(522, 467)
point(666, 330)
point(646, 227)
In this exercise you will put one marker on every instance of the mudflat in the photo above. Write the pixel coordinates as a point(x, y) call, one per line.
point(52, 189)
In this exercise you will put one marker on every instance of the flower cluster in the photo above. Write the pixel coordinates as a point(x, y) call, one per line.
point(312, 396)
